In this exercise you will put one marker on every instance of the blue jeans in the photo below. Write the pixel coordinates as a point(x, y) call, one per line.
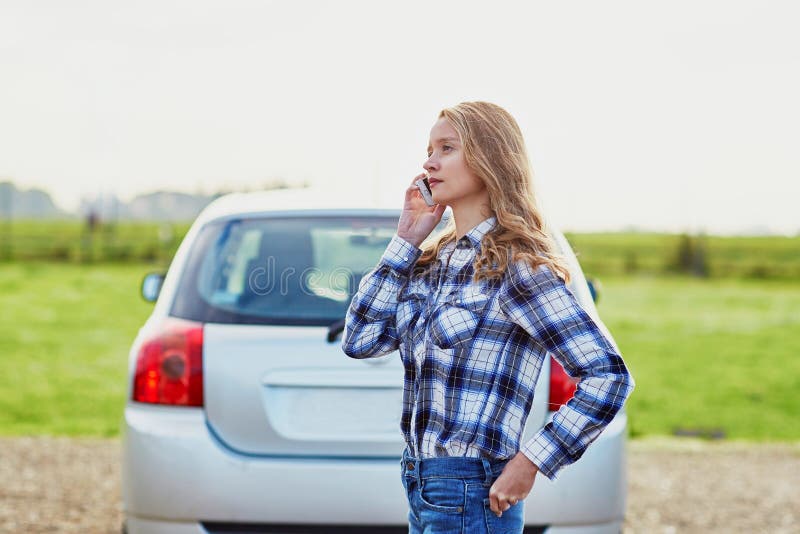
point(451, 495)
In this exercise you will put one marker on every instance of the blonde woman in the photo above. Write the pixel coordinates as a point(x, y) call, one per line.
point(474, 314)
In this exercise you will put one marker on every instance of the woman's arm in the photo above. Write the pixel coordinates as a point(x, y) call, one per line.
point(370, 328)
point(539, 302)
point(370, 322)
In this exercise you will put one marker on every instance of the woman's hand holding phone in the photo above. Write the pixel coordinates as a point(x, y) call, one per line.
point(418, 219)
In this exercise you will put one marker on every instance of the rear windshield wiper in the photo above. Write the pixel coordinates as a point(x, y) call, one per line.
point(335, 329)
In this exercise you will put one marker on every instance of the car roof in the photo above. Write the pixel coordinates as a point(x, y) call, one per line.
point(305, 201)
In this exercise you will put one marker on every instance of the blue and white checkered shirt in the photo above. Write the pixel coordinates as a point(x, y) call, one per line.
point(472, 354)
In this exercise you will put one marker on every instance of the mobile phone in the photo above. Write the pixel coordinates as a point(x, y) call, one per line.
point(425, 188)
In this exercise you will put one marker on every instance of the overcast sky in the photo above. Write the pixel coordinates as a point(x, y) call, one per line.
point(680, 115)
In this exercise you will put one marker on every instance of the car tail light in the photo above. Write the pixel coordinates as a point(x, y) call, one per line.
point(169, 364)
point(562, 386)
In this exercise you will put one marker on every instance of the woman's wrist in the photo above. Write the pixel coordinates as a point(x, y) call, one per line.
point(410, 239)
point(528, 463)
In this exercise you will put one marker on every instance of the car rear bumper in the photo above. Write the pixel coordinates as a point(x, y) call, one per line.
point(176, 475)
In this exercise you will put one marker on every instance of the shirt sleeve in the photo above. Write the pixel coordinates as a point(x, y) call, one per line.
point(539, 302)
point(370, 329)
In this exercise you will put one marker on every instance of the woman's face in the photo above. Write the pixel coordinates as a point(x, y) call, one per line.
point(452, 182)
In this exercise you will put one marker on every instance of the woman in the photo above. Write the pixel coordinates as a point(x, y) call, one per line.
point(474, 314)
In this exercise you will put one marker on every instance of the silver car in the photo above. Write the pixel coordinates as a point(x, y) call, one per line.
point(244, 415)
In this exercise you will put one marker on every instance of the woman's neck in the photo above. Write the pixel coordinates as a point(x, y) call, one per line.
point(469, 216)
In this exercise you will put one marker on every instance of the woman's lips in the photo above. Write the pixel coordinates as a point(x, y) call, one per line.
point(433, 182)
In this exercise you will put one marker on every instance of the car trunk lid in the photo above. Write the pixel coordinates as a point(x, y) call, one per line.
point(285, 390)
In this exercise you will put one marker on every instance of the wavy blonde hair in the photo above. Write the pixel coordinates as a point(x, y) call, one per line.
point(494, 150)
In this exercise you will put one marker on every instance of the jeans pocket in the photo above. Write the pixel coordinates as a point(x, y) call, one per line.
point(511, 522)
point(446, 495)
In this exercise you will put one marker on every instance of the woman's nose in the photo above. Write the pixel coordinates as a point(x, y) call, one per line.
point(430, 164)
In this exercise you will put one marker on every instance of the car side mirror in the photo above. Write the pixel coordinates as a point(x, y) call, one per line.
point(151, 286)
point(593, 289)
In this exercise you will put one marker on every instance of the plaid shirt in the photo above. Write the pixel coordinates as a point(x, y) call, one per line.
point(472, 354)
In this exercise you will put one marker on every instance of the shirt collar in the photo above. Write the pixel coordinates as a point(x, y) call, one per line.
point(474, 236)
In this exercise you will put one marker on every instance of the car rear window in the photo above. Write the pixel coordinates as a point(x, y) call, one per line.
point(281, 271)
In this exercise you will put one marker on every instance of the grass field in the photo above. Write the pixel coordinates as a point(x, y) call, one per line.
point(705, 354)
point(65, 331)
point(709, 354)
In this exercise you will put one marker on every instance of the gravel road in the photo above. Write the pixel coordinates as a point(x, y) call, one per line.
point(675, 485)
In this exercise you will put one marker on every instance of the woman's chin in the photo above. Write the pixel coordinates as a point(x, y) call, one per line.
point(440, 199)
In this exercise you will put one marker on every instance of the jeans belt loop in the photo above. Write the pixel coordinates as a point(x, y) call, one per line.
point(415, 462)
point(487, 468)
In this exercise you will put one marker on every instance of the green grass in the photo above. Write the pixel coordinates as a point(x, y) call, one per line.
point(704, 354)
point(709, 354)
point(65, 332)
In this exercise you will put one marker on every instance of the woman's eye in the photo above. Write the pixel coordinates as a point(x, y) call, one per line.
point(445, 148)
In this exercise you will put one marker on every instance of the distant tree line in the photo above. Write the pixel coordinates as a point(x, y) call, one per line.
point(699, 256)
point(614, 254)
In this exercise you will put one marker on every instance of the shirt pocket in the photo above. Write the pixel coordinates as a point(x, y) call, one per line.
point(453, 324)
